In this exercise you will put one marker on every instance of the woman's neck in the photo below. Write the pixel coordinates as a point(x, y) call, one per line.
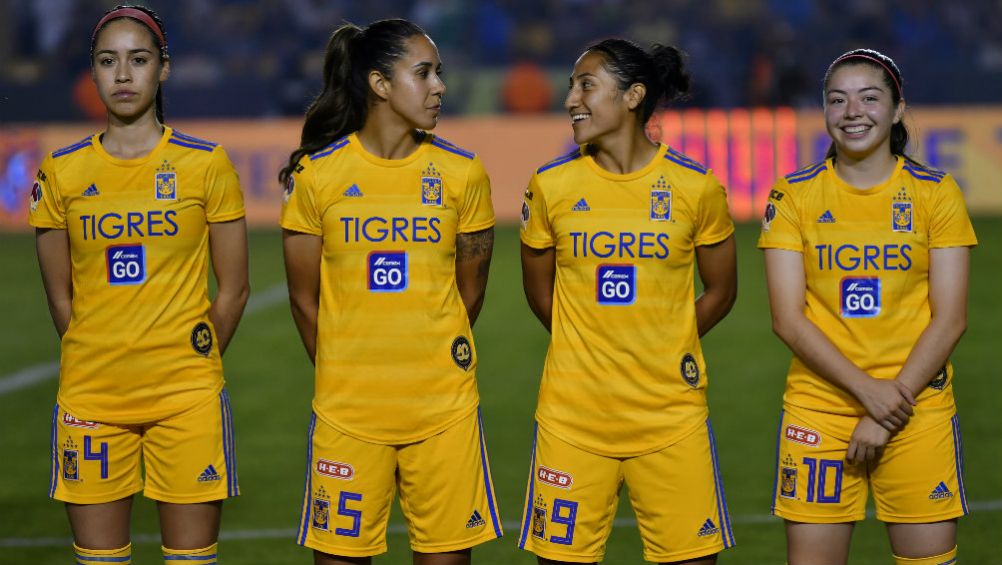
point(130, 139)
point(865, 172)
point(628, 153)
point(388, 137)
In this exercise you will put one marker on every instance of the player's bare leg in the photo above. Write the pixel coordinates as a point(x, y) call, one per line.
point(922, 540)
point(321, 558)
point(461, 557)
point(814, 544)
point(100, 526)
point(189, 526)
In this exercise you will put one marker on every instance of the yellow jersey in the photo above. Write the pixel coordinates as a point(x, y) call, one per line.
point(624, 374)
point(866, 263)
point(139, 346)
point(395, 357)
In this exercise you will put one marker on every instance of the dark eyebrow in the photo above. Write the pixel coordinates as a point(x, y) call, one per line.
point(426, 64)
point(580, 76)
point(131, 51)
point(864, 89)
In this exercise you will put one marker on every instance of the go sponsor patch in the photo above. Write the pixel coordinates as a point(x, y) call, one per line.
point(387, 271)
point(126, 264)
point(616, 285)
point(860, 297)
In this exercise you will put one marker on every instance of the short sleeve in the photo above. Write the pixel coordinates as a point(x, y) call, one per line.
point(949, 223)
point(781, 222)
point(300, 212)
point(224, 201)
point(714, 223)
point(476, 211)
point(535, 231)
point(45, 204)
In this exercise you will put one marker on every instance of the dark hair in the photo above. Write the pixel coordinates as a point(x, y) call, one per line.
point(343, 104)
point(161, 45)
point(893, 81)
point(661, 70)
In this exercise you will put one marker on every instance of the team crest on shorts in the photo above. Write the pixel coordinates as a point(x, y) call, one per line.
point(660, 201)
point(539, 518)
point(201, 339)
point(71, 461)
point(939, 381)
point(321, 511)
point(901, 212)
point(690, 370)
point(462, 352)
point(788, 478)
point(431, 186)
point(166, 182)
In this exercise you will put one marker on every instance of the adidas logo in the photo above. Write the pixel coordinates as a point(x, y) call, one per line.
point(476, 520)
point(708, 529)
point(581, 206)
point(941, 491)
point(209, 474)
point(91, 191)
point(353, 191)
point(826, 218)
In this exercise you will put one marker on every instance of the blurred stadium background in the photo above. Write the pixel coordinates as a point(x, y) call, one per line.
point(243, 71)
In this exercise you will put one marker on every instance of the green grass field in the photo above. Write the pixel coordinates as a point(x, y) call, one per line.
point(270, 383)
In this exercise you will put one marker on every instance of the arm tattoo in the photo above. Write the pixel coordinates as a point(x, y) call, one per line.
point(476, 245)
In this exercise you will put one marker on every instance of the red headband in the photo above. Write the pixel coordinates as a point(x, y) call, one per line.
point(135, 14)
point(875, 60)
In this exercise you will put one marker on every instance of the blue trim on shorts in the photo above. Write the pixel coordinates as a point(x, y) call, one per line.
point(958, 450)
point(487, 476)
point(229, 444)
point(532, 483)
point(55, 453)
point(725, 519)
point(775, 471)
point(304, 525)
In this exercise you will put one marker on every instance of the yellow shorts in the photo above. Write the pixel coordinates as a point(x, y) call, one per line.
point(676, 494)
point(187, 458)
point(918, 479)
point(446, 492)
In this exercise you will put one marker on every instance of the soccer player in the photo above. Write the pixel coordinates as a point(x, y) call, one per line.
point(612, 234)
point(866, 256)
point(388, 234)
point(125, 223)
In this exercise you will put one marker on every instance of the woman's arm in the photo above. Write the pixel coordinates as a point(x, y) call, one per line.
point(473, 264)
point(888, 401)
point(538, 274)
point(302, 271)
point(228, 248)
point(718, 270)
point(948, 274)
point(53, 247)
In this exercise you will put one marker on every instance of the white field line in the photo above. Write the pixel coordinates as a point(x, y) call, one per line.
point(35, 374)
point(512, 526)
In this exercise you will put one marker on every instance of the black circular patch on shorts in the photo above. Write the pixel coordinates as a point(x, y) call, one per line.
point(462, 353)
point(201, 339)
point(939, 381)
point(690, 370)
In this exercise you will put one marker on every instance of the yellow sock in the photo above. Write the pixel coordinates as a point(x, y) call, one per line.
point(204, 556)
point(121, 556)
point(948, 558)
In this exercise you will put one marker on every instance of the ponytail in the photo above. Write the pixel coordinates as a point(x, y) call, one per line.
point(661, 70)
point(343, 105)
